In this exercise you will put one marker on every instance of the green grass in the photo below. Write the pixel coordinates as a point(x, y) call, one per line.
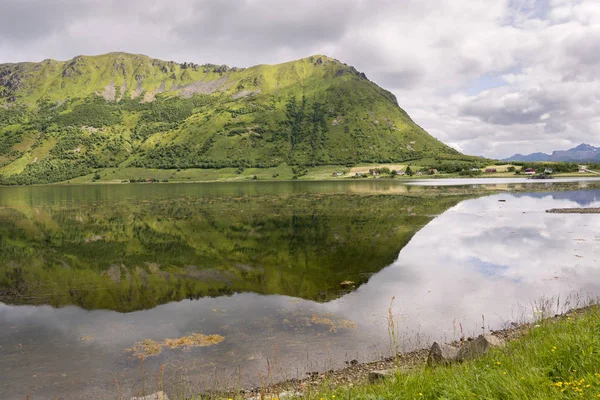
point(554, 360)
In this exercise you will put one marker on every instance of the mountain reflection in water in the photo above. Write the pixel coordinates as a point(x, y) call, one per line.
point(126, 255)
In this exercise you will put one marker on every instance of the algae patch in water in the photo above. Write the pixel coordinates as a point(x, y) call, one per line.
point(148, 347)
point(145, 348)
point(194, 340)
point(334, 325)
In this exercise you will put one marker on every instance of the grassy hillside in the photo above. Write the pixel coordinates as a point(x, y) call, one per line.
point(60, 120)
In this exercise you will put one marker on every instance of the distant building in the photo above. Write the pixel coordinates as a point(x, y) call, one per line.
point(582, 169)
point(548, 171)
point(474, 169)
point(530, 171)
point(490, 170)
point(338, 173)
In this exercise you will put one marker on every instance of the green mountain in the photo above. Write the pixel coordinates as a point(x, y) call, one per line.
point(60, 120)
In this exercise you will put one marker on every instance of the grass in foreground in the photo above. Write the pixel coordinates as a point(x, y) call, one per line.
point(554, 360)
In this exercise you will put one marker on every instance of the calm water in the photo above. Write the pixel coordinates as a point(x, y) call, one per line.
point(499, 181)
point(86, 272)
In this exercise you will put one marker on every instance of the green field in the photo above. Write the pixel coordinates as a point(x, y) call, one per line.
point(281, 173)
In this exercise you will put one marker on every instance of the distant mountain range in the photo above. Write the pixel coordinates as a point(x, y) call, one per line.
point(582, 153)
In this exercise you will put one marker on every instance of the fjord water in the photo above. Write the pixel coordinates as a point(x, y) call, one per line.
point(88, 271)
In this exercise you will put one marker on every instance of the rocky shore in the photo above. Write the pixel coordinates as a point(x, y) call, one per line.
point(359, 373)
point(589, 210)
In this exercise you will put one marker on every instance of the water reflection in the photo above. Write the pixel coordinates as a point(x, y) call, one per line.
point(101, 251)
point(490, 258)
point(480, 257)
point(500, 182)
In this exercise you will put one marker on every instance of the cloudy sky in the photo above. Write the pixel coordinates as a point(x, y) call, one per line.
point(489, 77)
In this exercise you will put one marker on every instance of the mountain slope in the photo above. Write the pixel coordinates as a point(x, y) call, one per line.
point(59, 120)
point(582, 153)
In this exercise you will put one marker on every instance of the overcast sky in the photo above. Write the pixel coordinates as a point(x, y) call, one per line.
point(489, 77)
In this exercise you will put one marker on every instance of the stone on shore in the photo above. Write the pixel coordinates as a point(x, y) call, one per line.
point(375, 376)
point(442, 354)
point(281, 396)
point(154, 396)
point(479, 347)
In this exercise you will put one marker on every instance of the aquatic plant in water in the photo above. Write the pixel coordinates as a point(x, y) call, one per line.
point(148, 347)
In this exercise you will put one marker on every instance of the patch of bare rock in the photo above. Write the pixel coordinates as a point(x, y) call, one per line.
point(154, 396)
point(447, 354)
point(202, 87)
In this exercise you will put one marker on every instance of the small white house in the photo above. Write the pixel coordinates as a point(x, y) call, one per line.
point(548, 171)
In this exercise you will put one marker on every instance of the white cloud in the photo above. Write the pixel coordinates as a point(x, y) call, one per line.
point(433, 54)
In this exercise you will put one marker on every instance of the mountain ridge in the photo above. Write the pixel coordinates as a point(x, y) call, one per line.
point(63, 119)
point(581, 153)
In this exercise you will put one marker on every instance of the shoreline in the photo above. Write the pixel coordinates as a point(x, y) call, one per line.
point(360, 172)
point(358, 373)
point(416, 181)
